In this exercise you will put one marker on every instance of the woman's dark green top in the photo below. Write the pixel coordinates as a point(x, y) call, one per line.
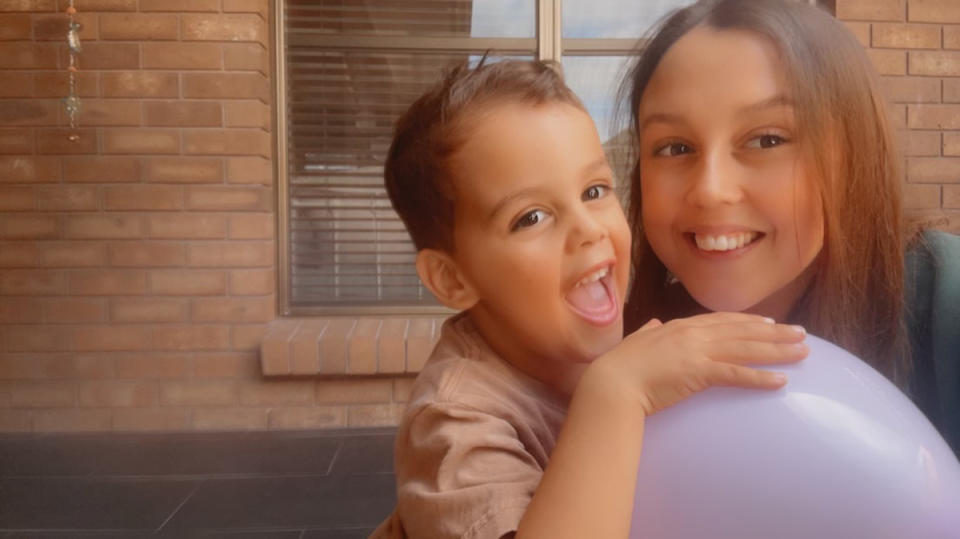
point(933, 319)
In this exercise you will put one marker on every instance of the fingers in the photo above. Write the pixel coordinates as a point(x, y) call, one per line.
point(725, 374)
point(652, 323)
point(743, 352)
point(756, 331)
point(709, 319)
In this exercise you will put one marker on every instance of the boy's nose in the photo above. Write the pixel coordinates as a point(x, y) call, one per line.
point(716, 181)
point(586, 229)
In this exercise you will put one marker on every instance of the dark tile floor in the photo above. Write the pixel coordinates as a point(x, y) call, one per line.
point(244, 485)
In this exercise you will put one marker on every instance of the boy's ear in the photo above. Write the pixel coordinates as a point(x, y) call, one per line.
point(441, 274)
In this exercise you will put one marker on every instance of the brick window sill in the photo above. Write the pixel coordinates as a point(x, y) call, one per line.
point(348, 345)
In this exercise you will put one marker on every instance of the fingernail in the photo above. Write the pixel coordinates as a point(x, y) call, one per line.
point(800, 329)
point(780, 378)
point(769, 320)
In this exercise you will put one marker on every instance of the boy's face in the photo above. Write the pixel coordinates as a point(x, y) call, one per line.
point(540, 235)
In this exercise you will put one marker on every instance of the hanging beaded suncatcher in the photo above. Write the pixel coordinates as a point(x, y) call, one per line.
point(72, 102)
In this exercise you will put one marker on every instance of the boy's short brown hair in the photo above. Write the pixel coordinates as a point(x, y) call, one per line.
point(417, 172)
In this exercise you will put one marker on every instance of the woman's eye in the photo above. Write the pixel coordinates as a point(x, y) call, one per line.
point(595, 191)
point(673, 149)
point(529, 219)
point(766, 141)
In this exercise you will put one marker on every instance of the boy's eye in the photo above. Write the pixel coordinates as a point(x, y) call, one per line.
point(766, 141)
point(673, 149)
point(595, 191)
point(529, 219)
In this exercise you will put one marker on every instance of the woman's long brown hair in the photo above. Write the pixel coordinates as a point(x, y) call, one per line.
point(856, 297)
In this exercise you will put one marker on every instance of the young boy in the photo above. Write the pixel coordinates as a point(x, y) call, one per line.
point(501, 180)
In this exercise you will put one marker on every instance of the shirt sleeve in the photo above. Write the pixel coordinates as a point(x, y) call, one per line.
point(462, 473)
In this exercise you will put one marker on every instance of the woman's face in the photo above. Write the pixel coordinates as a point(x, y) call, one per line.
point(729, 205)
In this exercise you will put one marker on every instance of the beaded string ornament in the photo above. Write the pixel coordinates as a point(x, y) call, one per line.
point(72, 102)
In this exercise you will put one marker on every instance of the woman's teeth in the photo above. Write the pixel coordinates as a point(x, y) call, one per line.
point(726, 242)
point(594, 277)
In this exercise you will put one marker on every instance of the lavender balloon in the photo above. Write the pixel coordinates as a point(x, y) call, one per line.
point(840, 452)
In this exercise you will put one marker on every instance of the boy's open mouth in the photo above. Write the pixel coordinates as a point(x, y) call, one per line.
point(594, 297)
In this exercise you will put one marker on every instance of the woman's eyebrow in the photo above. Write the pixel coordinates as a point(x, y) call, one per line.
point(779, 100)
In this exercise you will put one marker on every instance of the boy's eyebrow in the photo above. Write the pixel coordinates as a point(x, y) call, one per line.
point(779, 100)
point(594, 166)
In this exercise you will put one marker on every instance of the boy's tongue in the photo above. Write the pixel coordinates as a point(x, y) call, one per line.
point(590, 298)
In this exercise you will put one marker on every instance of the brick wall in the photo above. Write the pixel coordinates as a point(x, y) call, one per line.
point(915, 45)
point(137, 265)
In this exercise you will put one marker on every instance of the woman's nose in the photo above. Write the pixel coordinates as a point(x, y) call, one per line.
point(717, 180)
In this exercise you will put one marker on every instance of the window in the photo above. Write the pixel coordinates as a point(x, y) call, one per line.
point(348, 68)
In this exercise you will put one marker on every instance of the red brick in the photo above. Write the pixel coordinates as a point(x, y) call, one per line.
point(44, 395)
point(54, 27)
point(247, 6)
point(183, 113)
point(183, 170)
point(392, 346)
point(421, 338)
point(17, 85)
point(182, 56)
point(402, 388)
point(101, 5)
point(256, 170)
point(933, 170)
point(889, 62)
point(188, 283)
point(144, 197)
point(16, 198)
point(71, 420)
point(934, 116)
point(226, 198)
point(213, 393)
point(356, 391)
point(374, 415)
point(152, 366)
point(109, 112)
point(32, 282)
point(16, 141)
point(117, 394)
point(146, 254)
point(246, 57)
point(951, 196)
point(872, 10)
point(192, 337)
point(69, 198)
point(150, 419)
point(226, 85)
point(860, 30)
point(225, 365)
point(229, 418)
point(15, 27)
point(29, 227)
point(951, 37)
point(138, 27)
point(912, 89)
point(179, 5)
point(99, 55)
point(100, 169)
point(147, 310)
point(951, 144)
point(112, 338)
point(72, 254)
point(34, 366)
point(935, 63)
point(223, 28)
point(313, 417)
point(18, 254)
point(270, 393)
point(104, 226)
point(28, 5)
point(277, 347)
point(57, 84)
point(141, 141)
point(906, 36)
point(227, 142)
point(233, 254)
point(252, 226)
point(233, 309)
point(246, 114)
point(333, 345)
point(74, 310)
point(29, 169)
point(139, 84)
point(362, 347)
point(187, 226)
point(28, 55)
point(935, 11)
point(921, 196)
point(36, 112)
point(57, 141)
point(247, 337)
point(45, 338)
point(108, 283)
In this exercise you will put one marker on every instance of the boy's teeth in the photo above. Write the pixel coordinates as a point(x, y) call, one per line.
point(725, 242)
point(594, 277)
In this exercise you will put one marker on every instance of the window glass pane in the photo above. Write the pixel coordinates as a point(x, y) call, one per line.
point(614, 18)
point(417, 18)
point(595, 80)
